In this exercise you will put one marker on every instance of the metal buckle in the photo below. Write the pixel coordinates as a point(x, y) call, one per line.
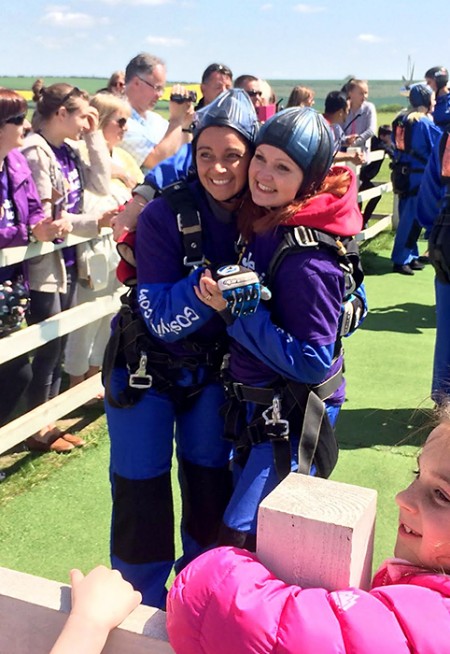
point(236, 389)
point(276, 419)
point(304, 236)
point(197, 262)
point(140, 379)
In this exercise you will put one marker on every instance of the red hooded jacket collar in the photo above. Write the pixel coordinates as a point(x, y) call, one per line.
point(329, 213)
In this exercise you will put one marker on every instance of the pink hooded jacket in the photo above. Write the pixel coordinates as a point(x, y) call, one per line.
point(227, 602)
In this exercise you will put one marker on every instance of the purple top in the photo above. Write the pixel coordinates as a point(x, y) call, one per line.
point(65, 158)
point(166, 281)
point(20, 207)
point(285, 334)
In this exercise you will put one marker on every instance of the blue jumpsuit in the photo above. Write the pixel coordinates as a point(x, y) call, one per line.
point(291, 338)
point(423, 135)
point(441, 113)
point(429, 204)
point(182, 328)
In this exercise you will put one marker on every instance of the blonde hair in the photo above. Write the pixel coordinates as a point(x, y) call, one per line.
point(107, 104)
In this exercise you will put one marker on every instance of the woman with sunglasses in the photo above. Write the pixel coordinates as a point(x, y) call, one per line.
point(86, 346)
point(21, 216)
point(62, 113)
point(284, 378)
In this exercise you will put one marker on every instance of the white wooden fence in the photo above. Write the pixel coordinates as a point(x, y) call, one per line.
point(34, 336)
point(65, 322)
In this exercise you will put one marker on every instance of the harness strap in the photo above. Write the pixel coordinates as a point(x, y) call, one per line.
point(317, 444)
point(182, 203)
point(298, 238)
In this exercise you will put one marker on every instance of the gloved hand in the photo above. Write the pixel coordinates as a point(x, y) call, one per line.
point(240, 288)
point(352, 311)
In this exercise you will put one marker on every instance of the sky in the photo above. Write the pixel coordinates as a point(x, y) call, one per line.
point(282, 39)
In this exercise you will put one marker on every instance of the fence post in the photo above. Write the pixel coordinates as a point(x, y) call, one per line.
point(318, 533)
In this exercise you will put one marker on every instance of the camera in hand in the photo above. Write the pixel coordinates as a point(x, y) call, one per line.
point(14, 302)
point(191, 96)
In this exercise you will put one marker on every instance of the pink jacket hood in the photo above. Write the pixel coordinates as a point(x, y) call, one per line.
point(227, 602)
point(337, 215)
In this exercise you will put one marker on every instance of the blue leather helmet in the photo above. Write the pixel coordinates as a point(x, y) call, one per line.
point(304, 135)
point(232, 108)
point(420, 95)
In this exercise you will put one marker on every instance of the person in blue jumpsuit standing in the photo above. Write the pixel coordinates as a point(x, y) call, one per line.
point(414, 136)
point(284, 378)
point(437, 78)
point(173, 368)
point(433, 207)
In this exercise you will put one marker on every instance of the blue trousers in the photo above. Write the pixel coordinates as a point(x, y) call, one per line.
point(441, 366)
point(142, 530)
point(402, 252)
point(256, 480)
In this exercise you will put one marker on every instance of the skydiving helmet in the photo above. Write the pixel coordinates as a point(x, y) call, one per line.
point(439, 74)
point(303, 134)
point(420, 95)
point(232, 108)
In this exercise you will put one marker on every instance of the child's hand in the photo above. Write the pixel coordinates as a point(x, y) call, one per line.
point(102, 598)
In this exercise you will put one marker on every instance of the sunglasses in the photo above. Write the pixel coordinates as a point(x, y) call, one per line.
point(121, 122)
point(253, 93)
point(155, 87)
point(74, 92)
point(16, 120)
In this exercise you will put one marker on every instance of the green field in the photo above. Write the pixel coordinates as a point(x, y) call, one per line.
point(382, 92)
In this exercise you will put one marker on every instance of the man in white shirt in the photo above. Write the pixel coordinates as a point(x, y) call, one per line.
point(150, 138)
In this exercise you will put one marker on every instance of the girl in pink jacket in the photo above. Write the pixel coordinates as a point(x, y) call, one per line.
point(227, 602)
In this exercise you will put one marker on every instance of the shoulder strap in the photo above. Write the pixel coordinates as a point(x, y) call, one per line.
point(299, 238)
point(182, 202)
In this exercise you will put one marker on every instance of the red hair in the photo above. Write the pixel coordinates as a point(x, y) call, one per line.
point(253, 219)
point(11, 104)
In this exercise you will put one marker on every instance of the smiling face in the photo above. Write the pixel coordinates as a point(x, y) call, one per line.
point(74, 123)
point(423, 534)
point(222, 160)
point(274, 179)
point(216, 84)
point(115, 128)
point(11, 136)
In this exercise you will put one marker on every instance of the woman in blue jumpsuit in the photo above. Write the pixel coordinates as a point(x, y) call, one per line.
point(414, 135)
point(285, 379)
point(186, 340)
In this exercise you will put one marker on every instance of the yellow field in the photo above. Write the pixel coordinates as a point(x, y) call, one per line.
point(28, 95)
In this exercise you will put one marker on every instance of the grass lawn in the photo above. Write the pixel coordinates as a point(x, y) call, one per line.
point(55, 509)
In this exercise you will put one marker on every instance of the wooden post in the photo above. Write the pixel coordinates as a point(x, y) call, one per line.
point(33, 611)
point(318, 533)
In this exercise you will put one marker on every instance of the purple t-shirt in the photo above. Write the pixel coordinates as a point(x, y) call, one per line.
point(72, 179)
point(307, 292)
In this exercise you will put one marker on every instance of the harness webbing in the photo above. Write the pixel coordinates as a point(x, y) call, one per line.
point(302, 406)
point(181, 201)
